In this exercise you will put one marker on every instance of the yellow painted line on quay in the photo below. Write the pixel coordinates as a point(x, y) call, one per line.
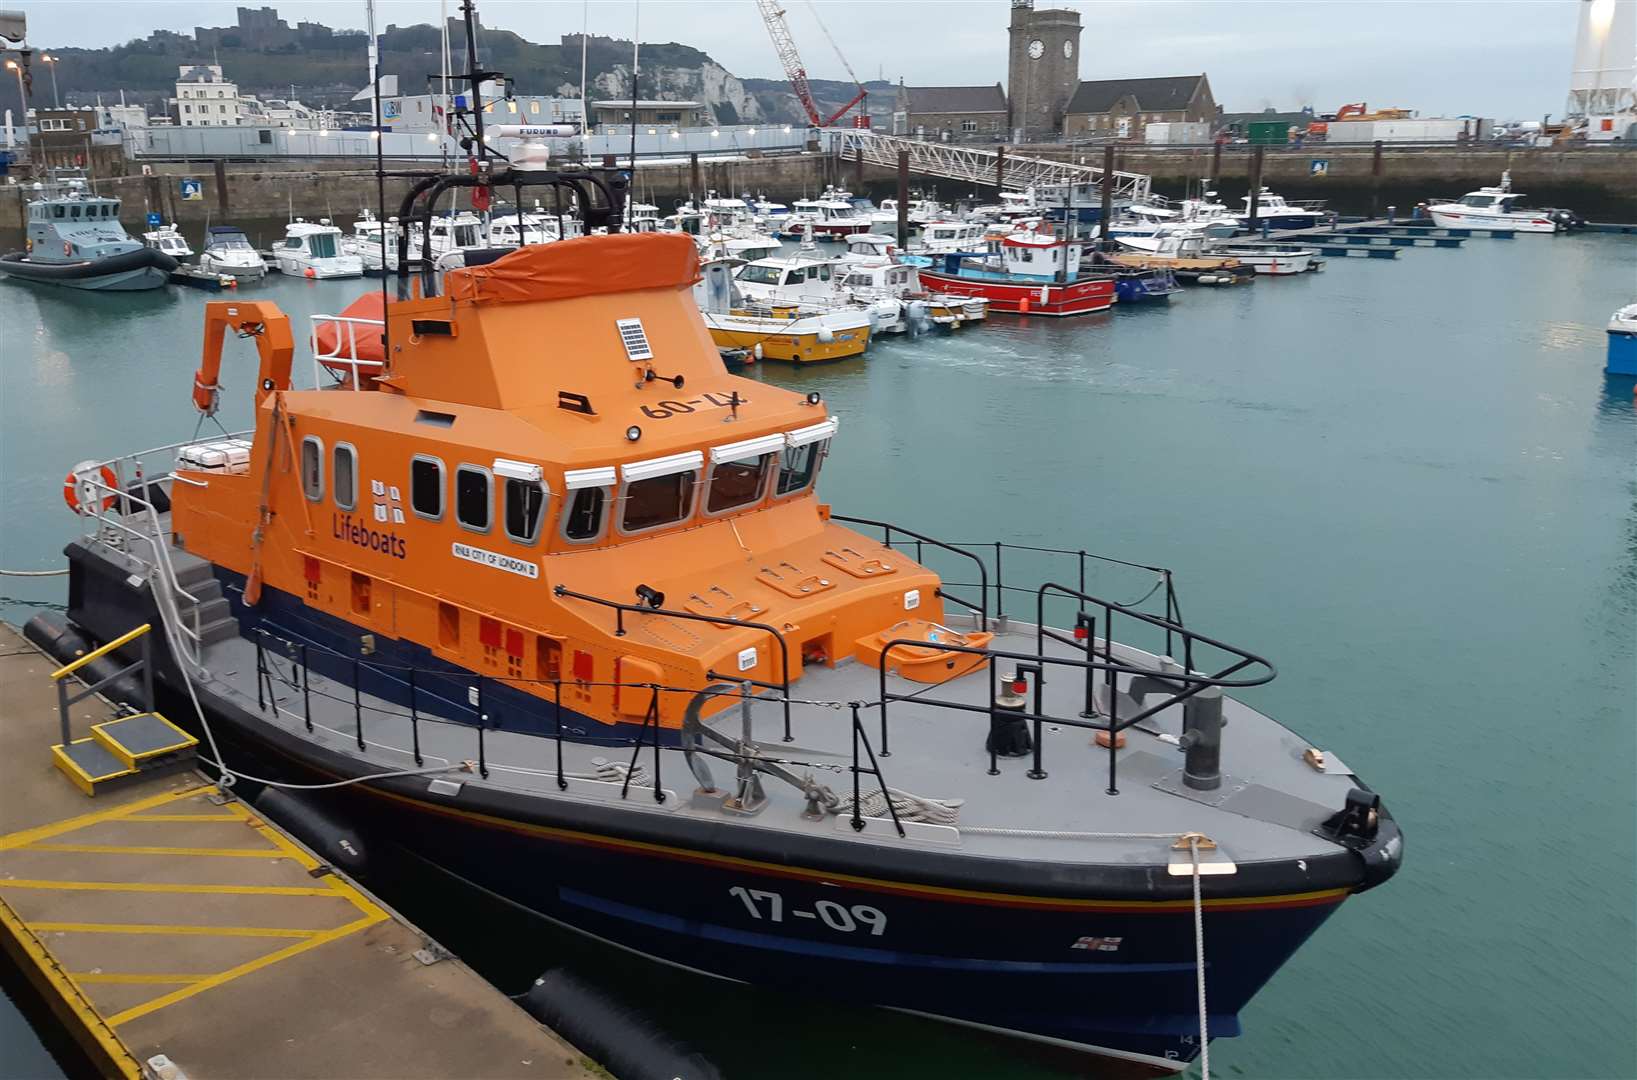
point(137, 1011)
point(25, 837)
point(132, 979)
point(153, 887)
point(99, 1031)
point(133, 849)
point(159, 928)
point(184, 817)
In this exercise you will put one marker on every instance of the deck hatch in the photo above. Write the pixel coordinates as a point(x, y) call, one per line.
point(635, 339)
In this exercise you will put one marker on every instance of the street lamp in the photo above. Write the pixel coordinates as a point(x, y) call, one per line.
point(21, 93)
point(56, 101)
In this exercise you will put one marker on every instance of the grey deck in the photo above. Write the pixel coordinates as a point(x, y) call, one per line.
point(1269, 801)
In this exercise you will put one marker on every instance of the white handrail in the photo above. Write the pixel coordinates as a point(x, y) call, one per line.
point(344, 354)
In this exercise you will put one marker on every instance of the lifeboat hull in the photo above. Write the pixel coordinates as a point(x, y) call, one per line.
point(1092, 961)
point(1029, 298)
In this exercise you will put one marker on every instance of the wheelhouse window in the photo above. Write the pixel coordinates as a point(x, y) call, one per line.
point(312, 467)
point(426, 487)
point(656, 501)
point(322, 245)
point(1477, 200)
point(738, 473)
point(799, 463)
point(474, 504)
point(759, 275)
point(658, 492)
point(345, 473)
point(586, 503)
point(525, 508)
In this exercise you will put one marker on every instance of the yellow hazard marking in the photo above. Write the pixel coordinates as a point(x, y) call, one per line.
point(123, 978)
point(25, 837)
point(70, 668)
point(184, 817)
point(146, 886)
point(113, 1050)
point(246, 968)
point(133, 849)
point(159, 928)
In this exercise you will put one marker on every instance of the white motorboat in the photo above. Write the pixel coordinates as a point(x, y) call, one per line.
point(313, 250)
point(1270, 258)
point(947, 237)
point(919, 212)
point(228, 251)
point(832, 217)
point(813, 281)
point(1215, 219)
point(1275, 213)
point(1493, 208)
point(790, 330)
point(168, 239)
point(870, 272)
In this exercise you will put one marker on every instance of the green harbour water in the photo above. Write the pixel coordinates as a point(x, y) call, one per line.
point(1407, 483)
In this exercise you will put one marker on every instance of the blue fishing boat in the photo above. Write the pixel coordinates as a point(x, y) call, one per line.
point(74, 239)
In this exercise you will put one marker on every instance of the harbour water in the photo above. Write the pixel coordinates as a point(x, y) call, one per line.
point(1408, 483)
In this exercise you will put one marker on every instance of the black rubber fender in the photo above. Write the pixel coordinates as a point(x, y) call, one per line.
point(312, 824)
point(616, 1036)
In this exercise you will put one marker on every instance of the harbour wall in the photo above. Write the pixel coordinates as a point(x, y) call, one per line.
point(1596, 181)
point(1354, 179)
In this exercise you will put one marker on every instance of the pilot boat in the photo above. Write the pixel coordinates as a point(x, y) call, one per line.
point(228, 251)
point(74, 239)
point(1035, 273)
point(168, 239)
point(313, 250)
point(1494, 207)
point(535, 587)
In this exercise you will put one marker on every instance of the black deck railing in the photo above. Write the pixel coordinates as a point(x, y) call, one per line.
point(1095, 621)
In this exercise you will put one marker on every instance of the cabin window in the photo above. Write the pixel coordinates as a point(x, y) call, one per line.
point(426, 487)
point(345, 473)
point(584, 520)
point(657, 501)
point(474, 505)
point(798, 465)
point(796, 276)
point(57, 211)
point(312, 467)
point(525, 507)
point(735, 483)
point(73, 211)
point(759, 275)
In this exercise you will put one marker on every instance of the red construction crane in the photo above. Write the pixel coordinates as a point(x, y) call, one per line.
point(785, 46)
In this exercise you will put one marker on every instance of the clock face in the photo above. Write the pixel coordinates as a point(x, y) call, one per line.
point(1037, 49)
point(1068, 50)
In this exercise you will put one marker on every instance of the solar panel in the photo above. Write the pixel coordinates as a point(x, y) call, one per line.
point(635, 339)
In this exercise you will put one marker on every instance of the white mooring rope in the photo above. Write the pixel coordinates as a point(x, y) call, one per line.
point(34, 573)
point(1199, 965)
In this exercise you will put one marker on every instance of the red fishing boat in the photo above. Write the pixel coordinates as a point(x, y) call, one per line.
point(1030, 273)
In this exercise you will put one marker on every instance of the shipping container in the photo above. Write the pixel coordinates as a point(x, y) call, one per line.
point(1177, 134)
point(1398, 131)
point(1268, 132)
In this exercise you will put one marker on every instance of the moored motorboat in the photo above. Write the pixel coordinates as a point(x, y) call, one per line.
point(168, 239)
point(1273, 212)
point(73, 239)
point(1035, 273)
point(1497, 207)
point(228, 252)
point(1185, 255)
point(790, 328)
point(1622, 333)
point(313, 250)
point(1276, 259)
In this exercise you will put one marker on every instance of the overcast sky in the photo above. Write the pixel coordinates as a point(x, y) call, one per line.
point(1496, 58)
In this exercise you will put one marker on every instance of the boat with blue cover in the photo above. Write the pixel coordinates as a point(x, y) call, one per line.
point(74, 239)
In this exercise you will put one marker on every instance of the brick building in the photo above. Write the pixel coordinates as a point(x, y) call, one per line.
point(1122, 108)
point(950, 113)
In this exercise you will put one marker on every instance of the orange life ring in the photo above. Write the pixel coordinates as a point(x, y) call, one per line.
point(72, 495)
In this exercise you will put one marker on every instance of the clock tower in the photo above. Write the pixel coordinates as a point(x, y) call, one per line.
point(1042, 70)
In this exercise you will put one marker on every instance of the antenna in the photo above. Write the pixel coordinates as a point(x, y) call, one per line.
point(380, 174)
point(636, 71)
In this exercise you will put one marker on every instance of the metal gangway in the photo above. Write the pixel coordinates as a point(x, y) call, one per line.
point(994, 168)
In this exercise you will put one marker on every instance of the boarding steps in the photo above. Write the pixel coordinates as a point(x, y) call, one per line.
point(215, 615)
point(123, 748)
